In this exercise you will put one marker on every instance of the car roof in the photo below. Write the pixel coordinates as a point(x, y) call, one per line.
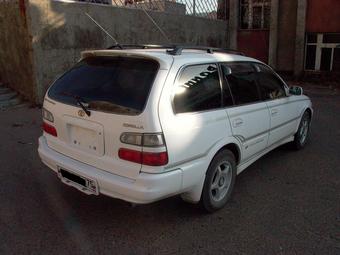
point(187, 56)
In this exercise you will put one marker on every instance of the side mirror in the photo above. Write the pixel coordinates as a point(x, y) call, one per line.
point(296, 90)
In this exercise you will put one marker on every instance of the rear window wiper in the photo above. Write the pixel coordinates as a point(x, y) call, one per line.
point(79, 100)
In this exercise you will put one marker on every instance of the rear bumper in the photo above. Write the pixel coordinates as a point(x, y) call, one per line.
point(147, 188)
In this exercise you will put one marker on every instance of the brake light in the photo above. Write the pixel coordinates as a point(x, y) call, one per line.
point(154, 159)
point(145, 158)
point(49, 129)
point(130, 155)
point(144, 140)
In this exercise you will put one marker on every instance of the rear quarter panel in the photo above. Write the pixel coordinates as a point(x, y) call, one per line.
point(192, 139)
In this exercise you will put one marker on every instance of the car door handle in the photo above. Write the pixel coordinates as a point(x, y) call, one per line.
point(237, 122)
point(274, 112)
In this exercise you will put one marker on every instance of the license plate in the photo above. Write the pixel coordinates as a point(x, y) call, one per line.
point(82, 183)
point(87, 140)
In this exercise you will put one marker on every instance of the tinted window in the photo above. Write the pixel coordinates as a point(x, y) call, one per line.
point(227, 97)
point(326, 56)
point(312, 38)
point(331, 38)
point(310, 57)
point(271, 86)
point(197, 89)
point(114, 84)
point(242, 82)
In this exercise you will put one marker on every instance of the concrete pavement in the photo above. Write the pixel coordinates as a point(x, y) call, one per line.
point(288, 202)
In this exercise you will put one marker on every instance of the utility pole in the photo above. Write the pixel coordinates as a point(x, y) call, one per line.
point(194, 7)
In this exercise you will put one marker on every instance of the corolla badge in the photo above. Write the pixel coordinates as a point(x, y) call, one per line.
point(81, 113)
point(133, 126)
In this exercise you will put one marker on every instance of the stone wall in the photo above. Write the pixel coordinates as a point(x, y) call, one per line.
point(57, 31)
point(16, 61)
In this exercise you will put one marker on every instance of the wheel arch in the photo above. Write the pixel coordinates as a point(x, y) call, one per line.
point(194, 195)
point(234, 148)
point(307, 108)
point(310, 112)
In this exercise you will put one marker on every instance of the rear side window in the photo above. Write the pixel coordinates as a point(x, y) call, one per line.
point(271, 86)
point(113, 84)
point(241, 79)
point(198, 89)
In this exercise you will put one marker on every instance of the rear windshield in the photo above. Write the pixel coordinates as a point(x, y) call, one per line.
point(112, 84)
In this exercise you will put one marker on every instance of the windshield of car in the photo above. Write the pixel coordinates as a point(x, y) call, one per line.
point(112, 84)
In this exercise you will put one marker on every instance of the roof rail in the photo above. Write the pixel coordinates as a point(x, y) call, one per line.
point(178, 50)
point(142, 46)
point(175, 49)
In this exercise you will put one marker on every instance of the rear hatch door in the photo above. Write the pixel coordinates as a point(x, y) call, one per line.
point(115, 90)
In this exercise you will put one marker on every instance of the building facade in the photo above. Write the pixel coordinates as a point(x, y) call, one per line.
point(293, 36)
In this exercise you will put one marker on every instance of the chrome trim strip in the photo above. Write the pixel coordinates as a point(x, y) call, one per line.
point(233, 115)
point(279, 104)
point(262, 108)
point(283, 124)
point(239, 138)
point(267, 148)
point(256, 135)
point(244, 140)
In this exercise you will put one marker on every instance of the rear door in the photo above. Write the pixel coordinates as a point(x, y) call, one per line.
point(116, 91)
point(284, 110)
point(249, 118)
point(194, 122)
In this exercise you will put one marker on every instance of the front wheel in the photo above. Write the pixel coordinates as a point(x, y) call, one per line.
point(301, 136)
point(219, 181)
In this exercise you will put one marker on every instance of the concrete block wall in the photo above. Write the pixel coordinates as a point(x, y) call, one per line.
point(16, 56)
point(286, 35)
point(57, 31)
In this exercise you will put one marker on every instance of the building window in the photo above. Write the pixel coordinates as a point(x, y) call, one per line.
point(254, 14)
point(322, 52)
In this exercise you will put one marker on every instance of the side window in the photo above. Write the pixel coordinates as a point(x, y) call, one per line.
point(271, 86)
point(242, 82)
point(198, 89)
point(227, 97)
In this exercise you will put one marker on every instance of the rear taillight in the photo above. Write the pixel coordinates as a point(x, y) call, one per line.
point(155, 158)
point(49, 129)
point(130, 155)
point(47, 115)
point(145, 158)
point(145, 141)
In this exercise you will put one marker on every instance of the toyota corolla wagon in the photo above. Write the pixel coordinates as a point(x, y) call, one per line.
point(147, 122)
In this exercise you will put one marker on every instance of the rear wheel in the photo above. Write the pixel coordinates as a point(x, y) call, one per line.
point(302, 134)
point(219, 181)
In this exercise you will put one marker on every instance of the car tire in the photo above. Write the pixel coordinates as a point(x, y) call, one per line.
point(219, 181)
point(302, 135)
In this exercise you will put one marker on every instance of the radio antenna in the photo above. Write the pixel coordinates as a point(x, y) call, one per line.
point(158, 27)
point(103, 29)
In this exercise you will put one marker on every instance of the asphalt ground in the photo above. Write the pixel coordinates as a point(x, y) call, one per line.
point(288, 202)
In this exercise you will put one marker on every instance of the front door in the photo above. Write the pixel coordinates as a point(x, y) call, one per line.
point(283, 110)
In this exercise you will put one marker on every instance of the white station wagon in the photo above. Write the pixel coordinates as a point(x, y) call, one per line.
point(142, 123)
